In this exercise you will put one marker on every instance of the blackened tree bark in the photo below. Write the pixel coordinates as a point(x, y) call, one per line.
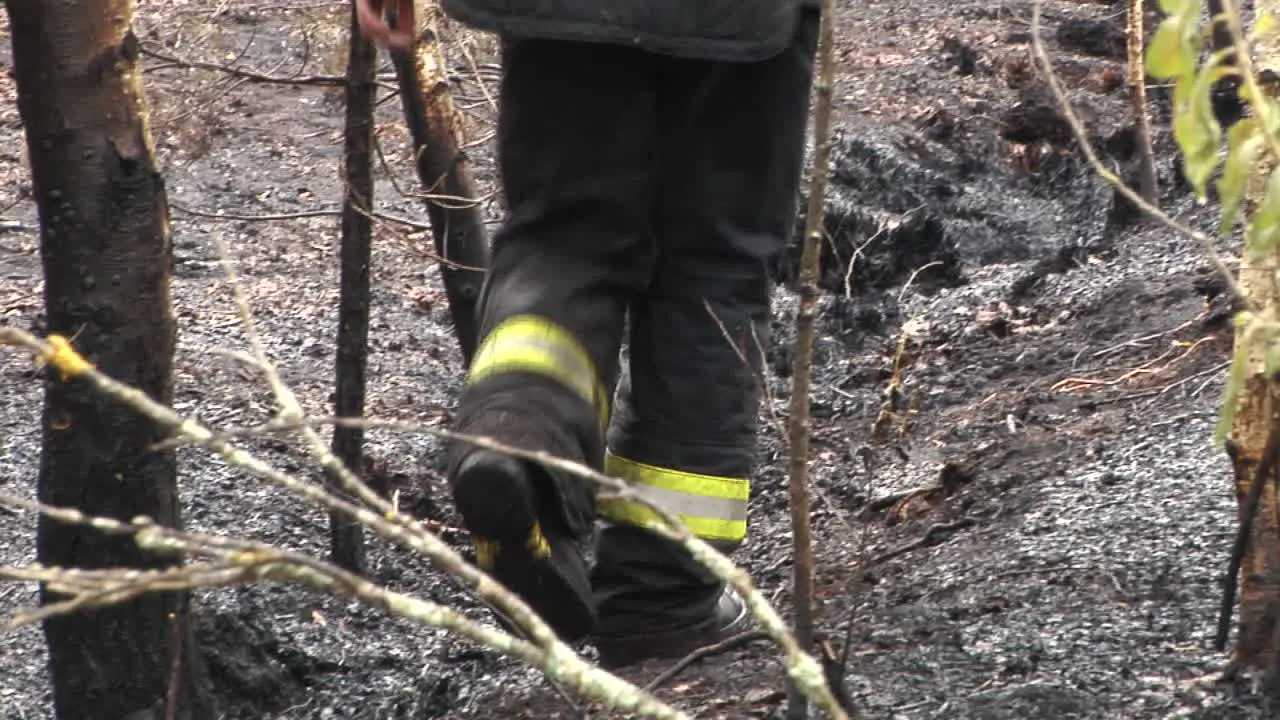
point(1135, 31)
point(106, 253)
point(347, 537)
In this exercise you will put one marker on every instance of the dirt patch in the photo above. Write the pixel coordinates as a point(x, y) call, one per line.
point(1017, 508)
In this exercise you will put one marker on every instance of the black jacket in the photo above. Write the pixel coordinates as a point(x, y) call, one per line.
point(730, 30)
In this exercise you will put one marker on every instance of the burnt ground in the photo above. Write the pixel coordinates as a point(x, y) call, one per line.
point(1051, 365)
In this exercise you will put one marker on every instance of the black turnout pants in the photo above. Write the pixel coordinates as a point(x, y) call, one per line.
point(648, 199)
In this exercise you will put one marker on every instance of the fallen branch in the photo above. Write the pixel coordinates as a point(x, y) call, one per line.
point(703, 653)
point(243, 561)
point(250, 75)
point(935, 535)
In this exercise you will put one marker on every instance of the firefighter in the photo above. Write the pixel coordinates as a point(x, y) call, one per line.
point(650, 153)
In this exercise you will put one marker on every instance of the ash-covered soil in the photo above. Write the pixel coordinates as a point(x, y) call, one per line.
point(998, 333)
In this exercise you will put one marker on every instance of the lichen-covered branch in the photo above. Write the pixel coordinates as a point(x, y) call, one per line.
point(802, 668)
point(395, 526)
point(242, 561)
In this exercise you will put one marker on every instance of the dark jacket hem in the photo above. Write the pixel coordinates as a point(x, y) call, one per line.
point(694, 47)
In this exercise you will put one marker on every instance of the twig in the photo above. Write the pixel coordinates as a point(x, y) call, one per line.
point(702, 653)
point(381, 217)
point(251, 75)
point(935, 535)
point(177, 623)
point(1150, 367)
point(302, 214)
point(218, 215)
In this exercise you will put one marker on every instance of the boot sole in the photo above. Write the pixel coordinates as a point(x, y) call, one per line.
point(495, 496)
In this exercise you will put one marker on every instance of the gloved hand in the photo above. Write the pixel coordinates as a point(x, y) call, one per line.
point(373, 24)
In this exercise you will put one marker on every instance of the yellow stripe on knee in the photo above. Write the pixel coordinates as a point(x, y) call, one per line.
point(533, 344)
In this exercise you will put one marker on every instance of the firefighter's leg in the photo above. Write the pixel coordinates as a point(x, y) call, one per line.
point(684, 431)
point(576, 151)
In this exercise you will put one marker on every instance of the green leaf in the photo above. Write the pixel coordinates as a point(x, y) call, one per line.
point(1243, 144)
point(1168, 54)
point(1264, 229)
point(1196, 129)
point(1174, 7)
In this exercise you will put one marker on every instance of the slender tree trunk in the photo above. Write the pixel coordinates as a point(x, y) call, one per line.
point(1136, 31)
point(346, 535)
point(799, 426)
point(1257, 412)
point(106, 252)
point(457, 224)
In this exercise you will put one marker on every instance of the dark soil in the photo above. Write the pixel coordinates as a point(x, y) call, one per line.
point(998, 334)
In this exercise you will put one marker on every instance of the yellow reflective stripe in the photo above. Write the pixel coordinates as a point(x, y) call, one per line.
point(630, 513)
point(528, 343)
point(678, 480)
point(714, 508)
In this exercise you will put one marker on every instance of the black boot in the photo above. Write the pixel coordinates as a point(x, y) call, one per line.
point(519, 540)
point(729, 617)
point(654, 600)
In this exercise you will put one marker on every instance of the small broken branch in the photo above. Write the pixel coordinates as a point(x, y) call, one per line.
point(246, 74)
point(935, 535)
point(703, 653)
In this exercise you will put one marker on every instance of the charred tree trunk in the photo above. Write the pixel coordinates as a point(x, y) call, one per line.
point(346, 535)
point(456, 222)
point(106, 252)
point(1148, 185)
